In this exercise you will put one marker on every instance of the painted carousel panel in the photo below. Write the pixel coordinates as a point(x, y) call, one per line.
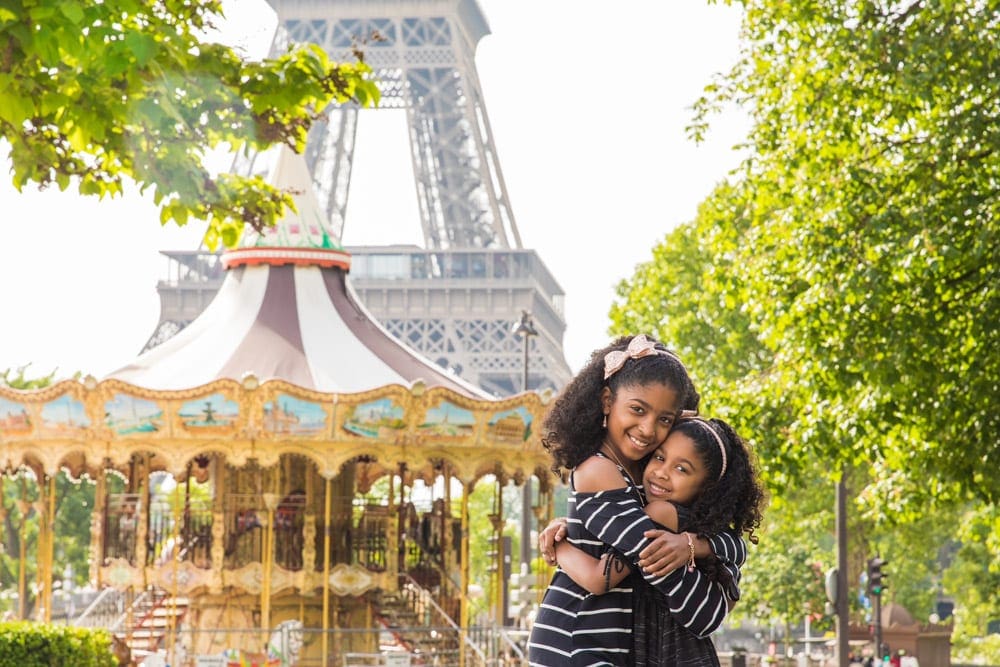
point(128, 415)
point(63, 416)
point(209, 414)
point(290, 415)
point(380, 419)
point(448, 420)
point(14, 417)
point(511, 425)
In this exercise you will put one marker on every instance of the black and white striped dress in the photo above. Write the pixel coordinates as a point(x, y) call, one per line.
point(574, 627)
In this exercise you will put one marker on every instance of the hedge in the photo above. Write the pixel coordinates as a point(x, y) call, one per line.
point(25, 644)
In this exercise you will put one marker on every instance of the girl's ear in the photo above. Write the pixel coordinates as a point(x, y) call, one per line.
point(606, 400)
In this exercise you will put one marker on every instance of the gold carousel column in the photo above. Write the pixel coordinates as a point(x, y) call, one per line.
point(497, 520)
point(97, 528)
point(271, 503)
point(463, 614)
point(142, 529)
point(218, 550)
point(327, 502)
point(309, 533)
point(543, 515)
point(39, 507)
point(447, 561)
point(22, 582)
point(392, 563)
point(49, 553)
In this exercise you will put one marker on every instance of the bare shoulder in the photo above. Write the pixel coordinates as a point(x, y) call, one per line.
point(597, 474)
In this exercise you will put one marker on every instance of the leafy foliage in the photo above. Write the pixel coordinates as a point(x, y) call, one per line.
point(837, 297)
point(95, 93)
point(36, 645)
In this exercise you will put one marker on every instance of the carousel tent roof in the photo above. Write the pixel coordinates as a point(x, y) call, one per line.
point(286, 311)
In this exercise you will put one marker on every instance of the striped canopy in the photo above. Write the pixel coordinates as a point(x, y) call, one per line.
point(286, 311)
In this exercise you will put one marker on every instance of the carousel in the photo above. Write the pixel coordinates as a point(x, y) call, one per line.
point(282, 478)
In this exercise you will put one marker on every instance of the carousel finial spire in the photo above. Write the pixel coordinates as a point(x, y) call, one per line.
point(303, 236)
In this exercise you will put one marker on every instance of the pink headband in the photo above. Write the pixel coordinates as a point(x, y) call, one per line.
point(639, 347)
point(722, 448)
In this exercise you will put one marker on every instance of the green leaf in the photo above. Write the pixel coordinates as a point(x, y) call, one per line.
point(72, 11)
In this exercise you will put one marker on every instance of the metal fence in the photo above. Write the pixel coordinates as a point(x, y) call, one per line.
point(291, 645)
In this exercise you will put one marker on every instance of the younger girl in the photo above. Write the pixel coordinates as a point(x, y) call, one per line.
point(701, 479)
point(605, 423)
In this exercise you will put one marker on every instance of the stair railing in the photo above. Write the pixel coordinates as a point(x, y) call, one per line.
point(427, 599)
point(102, 610)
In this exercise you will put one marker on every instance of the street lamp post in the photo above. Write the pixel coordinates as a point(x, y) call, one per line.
point(525, 328)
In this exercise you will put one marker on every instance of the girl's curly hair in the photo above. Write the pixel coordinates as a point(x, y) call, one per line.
point(573, 425)
point(737, 499)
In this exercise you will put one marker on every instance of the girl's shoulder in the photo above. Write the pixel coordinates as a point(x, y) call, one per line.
point(597, 473)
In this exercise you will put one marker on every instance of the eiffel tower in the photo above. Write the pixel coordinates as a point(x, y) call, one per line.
point(458, 299)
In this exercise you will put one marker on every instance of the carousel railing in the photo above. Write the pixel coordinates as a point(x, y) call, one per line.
point(104, 610)
point(370, 538)
point(184, 534)
point(245, 517)
point(424, 603)
point(121, 523)
point(360, 534)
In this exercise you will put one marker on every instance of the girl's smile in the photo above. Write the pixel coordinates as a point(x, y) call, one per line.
point(639, 418)
point(675, 472)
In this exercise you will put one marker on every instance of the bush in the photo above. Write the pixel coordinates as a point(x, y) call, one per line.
point(24, 644)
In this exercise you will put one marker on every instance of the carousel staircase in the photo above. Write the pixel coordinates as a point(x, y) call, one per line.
point(410, 625)
point(152, 616)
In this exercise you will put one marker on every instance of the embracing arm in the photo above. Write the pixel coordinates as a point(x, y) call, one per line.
point(589, 572)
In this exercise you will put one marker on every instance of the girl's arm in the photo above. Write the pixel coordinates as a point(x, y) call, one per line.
point(588, 571)
point(664, 513)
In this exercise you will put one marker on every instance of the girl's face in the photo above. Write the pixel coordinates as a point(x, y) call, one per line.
point(640, 417)
point(675, 472)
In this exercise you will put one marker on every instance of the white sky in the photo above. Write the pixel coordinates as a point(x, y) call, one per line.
point(588, 102)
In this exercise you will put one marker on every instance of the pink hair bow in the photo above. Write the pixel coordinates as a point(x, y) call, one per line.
point(638, 347)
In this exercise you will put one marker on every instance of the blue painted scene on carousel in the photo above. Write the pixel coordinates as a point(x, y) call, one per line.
point(375, 419)
point(128, 415)
point(448, 419)
point(14, 417)
point(63, 415)
point(209, 412)
point(295, 416)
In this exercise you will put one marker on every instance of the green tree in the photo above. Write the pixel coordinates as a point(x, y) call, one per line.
point(93, 94)
point(835, 299)
point(871, 251)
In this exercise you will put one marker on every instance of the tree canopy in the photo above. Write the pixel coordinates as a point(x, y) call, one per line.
point(837, 296)
point(851, 266)
point(95, 94)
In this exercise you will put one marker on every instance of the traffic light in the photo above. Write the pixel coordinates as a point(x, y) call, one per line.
point(876, 578)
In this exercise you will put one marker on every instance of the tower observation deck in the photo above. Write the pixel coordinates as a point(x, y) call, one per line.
point(454, 300)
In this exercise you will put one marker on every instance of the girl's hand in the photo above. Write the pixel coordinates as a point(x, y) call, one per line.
point(665, 553)
point(554, 532)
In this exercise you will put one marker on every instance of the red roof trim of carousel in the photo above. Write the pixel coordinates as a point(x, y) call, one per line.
point(280, 256)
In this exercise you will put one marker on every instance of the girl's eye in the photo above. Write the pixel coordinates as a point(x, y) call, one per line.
point(667, 420)
point(681, 469)
point(637, 409)
point(658, 458)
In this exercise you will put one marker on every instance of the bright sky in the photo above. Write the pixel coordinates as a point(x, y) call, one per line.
point(588, 103)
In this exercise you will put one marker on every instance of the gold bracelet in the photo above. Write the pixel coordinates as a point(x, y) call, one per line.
point(691, 557)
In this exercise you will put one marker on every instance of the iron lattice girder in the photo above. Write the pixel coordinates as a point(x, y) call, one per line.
point(424, 63)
